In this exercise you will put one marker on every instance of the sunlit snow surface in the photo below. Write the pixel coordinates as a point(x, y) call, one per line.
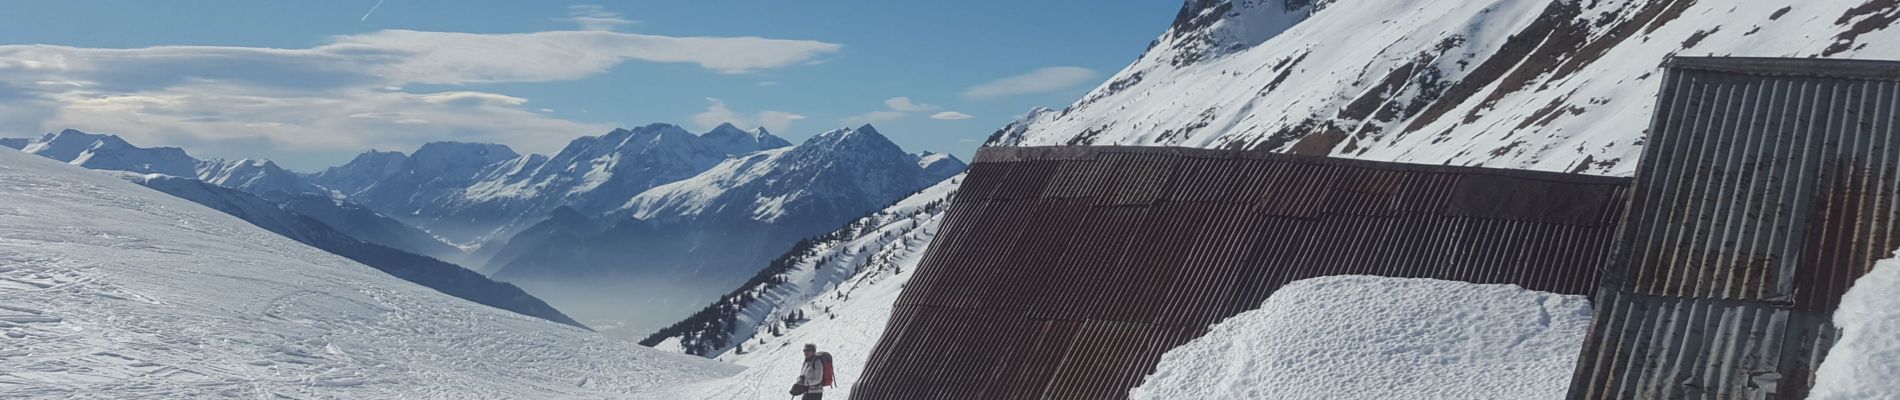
point(1363, 337)
point(1865, 363)
point(111, 290)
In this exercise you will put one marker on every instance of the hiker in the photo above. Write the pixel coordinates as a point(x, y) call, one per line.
point(814, 374)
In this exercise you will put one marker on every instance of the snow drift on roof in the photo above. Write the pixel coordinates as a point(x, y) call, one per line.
point(1865, 363)
point(1364, 337)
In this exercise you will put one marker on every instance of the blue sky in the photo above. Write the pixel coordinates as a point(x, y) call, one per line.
point(311, 83)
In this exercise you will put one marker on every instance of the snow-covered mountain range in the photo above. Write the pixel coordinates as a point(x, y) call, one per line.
point(632, 229)
point(1560, 85)
point(675, 247)
point(474, 193)
point(109, 289)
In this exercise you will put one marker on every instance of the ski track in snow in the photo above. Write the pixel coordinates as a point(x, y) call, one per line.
point(111, 290)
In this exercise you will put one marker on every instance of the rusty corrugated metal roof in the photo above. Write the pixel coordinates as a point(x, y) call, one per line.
point(1065, 272)
point(1766, 187)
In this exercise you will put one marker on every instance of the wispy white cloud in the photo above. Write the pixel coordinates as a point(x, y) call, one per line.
point(595, 18)
point(1042, 80)
point(777, 120)
point(904, 104)
point(401, 57)
point(717, 112)
point(221, 118)
point(896, 108)
point(348, 93)
point(473, 98)
point(950, 116)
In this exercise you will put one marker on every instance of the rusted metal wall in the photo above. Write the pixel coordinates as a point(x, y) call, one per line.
point(1065, 272)
point(1766, 187)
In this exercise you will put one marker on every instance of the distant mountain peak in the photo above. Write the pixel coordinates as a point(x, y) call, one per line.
point(734, 141)
point(438, 156)
point(862, 137)
point(725, 127)
point(68, 144)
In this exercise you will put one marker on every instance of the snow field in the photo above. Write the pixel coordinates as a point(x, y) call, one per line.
point(112, 290)
point(1865, 363)
point(1365, 337)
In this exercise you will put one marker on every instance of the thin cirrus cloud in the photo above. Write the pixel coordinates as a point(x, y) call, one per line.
point(950, 116)
point(1043, 80)
point(595, 18)
point(212, 96)
point(717, 112)
point(896, 108)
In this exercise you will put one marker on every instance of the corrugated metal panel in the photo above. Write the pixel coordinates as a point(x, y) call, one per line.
point(1766, 187)
point(1065, 272)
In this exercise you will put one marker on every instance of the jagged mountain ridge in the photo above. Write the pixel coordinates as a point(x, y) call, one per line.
point(361, 172)
point(261, 177)
point(1563, 85)
point(428, 181)
point(109, 152)
point(847, 171)
point(491, 192)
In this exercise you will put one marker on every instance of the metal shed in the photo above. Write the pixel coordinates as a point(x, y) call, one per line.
point(1766, 187)
point(1066, 272)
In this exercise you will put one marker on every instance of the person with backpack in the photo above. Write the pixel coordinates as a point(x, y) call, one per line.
point(814, 374)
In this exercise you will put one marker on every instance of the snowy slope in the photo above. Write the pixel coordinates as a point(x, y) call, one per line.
point(1364, 337)
point(110, 289)
point(1540, 84)
point(940, 165)
point(1865, 363)
point(435, 274)
point(862, 274)
point(812, 278)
